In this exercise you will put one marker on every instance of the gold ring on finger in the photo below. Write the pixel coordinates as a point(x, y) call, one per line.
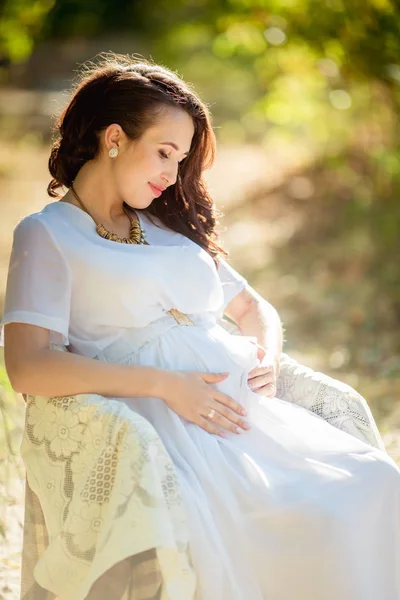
point(211, 414)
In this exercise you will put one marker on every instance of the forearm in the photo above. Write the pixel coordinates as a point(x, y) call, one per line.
point(260, 319)
point(55, 373)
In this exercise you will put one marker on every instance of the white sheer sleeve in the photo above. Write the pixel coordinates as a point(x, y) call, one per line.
point(232, 282)
point(39, 281)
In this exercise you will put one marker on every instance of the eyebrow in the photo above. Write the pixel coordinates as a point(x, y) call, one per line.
point(174, 146)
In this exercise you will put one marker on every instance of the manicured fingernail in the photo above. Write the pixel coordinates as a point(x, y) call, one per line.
point(244, 412)
point(246, 426)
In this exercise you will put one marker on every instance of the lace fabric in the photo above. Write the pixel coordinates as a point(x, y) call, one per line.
point(336, 402)
point(96, 470)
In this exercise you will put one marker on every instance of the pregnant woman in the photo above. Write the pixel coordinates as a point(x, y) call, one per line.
point(162, 460)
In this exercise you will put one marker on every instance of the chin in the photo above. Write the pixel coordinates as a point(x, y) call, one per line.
point(139, 205)
point(146, 204)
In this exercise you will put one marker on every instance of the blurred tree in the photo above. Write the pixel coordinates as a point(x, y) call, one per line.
point(21, 22)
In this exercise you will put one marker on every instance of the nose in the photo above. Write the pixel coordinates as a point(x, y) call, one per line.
point(170, 176)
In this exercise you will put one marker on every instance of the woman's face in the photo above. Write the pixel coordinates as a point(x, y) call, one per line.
point(144, 167)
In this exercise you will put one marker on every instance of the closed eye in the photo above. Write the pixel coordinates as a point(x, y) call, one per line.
point(165, 156)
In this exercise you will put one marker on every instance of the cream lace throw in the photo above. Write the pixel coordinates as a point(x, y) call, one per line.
point(101, 488)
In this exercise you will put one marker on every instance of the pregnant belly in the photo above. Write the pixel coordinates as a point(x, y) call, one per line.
point(196, 348)
point(199, 348)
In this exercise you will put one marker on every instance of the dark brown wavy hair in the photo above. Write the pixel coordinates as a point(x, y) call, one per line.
point(130, 91)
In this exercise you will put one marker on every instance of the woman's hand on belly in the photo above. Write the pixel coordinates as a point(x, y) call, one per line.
point(191, 395)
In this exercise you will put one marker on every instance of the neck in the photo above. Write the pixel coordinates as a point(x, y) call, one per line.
point(94, 187)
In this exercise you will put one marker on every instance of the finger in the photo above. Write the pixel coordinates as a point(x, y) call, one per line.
point(272, 388)
point(226, 423)
point(256, 382)
point(212, 377)
point(261, 370)
point(227, 418)
point(262, 379)
point(267, 391)
point(210, 427)
point(229, 402)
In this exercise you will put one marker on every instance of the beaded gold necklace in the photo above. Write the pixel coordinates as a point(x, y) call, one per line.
point(137, 235)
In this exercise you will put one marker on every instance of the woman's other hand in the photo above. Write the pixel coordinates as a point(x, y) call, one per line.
point(262, 379)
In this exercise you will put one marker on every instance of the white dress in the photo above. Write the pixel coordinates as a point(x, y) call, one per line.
point(293, 508)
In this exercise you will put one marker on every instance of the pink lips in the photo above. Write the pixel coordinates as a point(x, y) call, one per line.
point(156, 190)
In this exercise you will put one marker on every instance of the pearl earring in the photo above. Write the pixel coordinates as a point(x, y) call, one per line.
point(113, 152)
